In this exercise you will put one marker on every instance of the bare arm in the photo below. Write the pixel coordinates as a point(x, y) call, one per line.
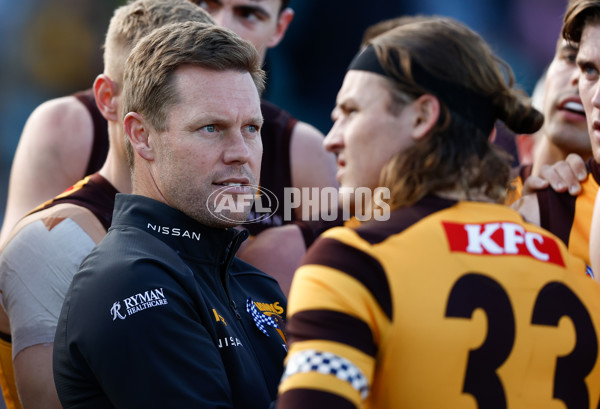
point(529, 208)
point(311, 165)
point(277, 251)
point(35, 381)
point(52, 154)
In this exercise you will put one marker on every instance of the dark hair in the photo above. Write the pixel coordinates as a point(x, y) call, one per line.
point(284, 5)
point(385, 25)
point(579, 13)
point(456, 155)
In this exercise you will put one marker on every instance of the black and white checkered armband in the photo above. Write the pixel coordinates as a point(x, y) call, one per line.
point(310, 360)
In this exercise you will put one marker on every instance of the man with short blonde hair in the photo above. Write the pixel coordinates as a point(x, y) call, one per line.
point(45, 249)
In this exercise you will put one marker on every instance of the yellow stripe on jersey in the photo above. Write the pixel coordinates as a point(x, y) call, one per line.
point(335, 291)
point(491, 314)
point(7, 377)
point(579, 237)
point(324, 383)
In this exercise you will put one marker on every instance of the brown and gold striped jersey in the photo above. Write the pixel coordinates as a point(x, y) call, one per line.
point(446, 305)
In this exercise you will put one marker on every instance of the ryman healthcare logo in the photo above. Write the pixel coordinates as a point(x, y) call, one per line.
point(314, 203)
point(138, 302)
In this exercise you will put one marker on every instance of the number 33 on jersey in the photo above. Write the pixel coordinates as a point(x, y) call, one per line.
point(460, 305)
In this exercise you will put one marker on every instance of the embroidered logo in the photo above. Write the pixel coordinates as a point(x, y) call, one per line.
point(589, 271)
point(139, 302)
point(259, 318)
point(219, 317)
point(174, 231)
point(115, 311)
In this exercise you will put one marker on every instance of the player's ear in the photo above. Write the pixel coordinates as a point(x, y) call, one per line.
point(426, 113)
point(283, 22)
point(137, 132)
point(106, 95)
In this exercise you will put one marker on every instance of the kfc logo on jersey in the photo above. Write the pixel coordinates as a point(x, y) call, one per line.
point(502, 239)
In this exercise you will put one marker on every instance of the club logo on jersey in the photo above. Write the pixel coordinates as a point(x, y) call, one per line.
point(138, 302)
point(589, 271)
point(219, 317)
point(502, 239)
point(269, 314)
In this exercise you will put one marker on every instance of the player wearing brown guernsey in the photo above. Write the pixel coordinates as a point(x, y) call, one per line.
point(455, 301)
point(567, 216)
point(45, 248)
point(293, 153)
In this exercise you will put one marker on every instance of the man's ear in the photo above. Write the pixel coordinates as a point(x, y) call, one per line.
point(106, 95)
point(138, 134)
point(427, 112)
point(283, 22)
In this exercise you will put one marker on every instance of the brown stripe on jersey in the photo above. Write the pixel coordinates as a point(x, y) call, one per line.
point(97, 195)
point(557, 212)
point(275, 173)
point(594, 169)
point(357, 264)
point(331, 326)
point(376, 231)
point(100, 142)
point(306, 398)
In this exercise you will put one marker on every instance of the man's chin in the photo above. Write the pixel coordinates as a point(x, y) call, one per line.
point(227, 219)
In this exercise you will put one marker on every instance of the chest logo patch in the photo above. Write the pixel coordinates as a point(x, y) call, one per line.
point(502, 239)
point(138, 302)
point(259, 318)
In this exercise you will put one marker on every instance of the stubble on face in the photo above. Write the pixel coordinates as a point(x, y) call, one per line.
point(210, 145)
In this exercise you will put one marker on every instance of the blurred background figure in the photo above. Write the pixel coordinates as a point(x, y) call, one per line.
point(52, 48)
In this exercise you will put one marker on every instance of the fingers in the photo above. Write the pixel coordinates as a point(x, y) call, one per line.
point(577, 163)
point(534, 183)
point(564, 175)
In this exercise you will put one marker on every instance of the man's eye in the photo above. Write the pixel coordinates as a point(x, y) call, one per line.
point(210, 128)
point(251, 14)
point(589, 71)
point(207, 5)
point(252, 129)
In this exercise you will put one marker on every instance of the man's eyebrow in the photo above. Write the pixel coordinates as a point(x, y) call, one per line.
point(257, 8)
point(571, 47)
point(584, 62)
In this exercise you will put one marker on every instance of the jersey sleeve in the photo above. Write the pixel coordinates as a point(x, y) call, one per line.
point(340, 308)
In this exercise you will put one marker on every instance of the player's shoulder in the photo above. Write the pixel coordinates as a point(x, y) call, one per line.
point(59, 117)
point(63, 222)
point(60, 109)
point(306, 134)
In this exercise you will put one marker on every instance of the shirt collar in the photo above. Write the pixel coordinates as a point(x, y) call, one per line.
point(176, 229)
